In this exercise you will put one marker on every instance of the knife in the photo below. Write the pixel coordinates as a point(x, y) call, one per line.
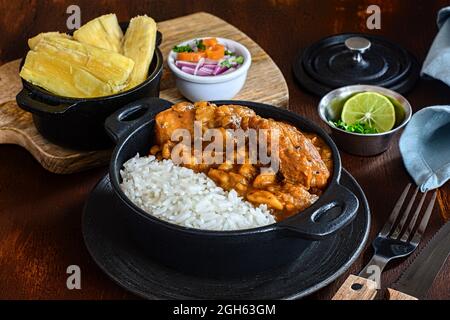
point(415, 282)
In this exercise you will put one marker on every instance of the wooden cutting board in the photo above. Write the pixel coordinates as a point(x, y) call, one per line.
point(265, 83)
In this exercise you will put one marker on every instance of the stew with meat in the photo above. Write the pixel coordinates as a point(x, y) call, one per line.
point(305, 160)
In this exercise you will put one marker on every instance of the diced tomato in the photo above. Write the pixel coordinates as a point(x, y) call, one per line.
point(210, 42)
point(215, 52)
point(191, 56)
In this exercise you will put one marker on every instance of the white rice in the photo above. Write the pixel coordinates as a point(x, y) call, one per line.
point(181, 196)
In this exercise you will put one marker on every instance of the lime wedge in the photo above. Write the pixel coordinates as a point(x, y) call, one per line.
point(370, 108)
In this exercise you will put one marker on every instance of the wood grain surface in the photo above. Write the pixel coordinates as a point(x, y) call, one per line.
point(265, 83)
point(40, 212)
point(397, 295)
point(356, 288)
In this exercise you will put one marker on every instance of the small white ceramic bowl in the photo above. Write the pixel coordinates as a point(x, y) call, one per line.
point(208, 88)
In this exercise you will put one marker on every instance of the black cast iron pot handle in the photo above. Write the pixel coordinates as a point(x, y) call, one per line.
point(313, 223)
point(26, 101)
point(158, 38)
point(125, 120)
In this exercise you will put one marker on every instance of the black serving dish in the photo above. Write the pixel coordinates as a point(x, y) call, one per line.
point(223, 253)
point(129, 265)
point(78, 123)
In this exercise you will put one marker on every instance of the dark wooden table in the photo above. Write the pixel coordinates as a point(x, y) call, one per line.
point(40, 212)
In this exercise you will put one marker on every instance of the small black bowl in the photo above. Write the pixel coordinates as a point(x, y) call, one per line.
point(78, 123)
point(223, 253)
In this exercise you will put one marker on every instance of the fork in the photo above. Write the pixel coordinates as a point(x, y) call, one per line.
point(393, 242)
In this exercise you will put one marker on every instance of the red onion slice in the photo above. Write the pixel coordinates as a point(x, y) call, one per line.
point(229, 70)
point(180, 63)
point(199, 65)
point(204, 72)
point(188, 70)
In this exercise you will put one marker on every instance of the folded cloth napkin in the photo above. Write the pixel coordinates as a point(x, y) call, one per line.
point(425, 147)
point(437, 62)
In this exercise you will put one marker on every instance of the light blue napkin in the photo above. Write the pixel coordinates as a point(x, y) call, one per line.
point(425, 143)
point(425, 147)
point(437, 62)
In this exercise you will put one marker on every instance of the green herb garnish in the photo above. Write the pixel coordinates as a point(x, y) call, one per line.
point(360, 127)
point(182, 49)
point(199, 44)
point(239, 60)
point(226, 63)
point(229, 53)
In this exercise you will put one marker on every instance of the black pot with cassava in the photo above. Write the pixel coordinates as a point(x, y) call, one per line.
point(78, 123)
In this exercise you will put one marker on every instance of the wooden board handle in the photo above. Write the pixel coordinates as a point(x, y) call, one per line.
point(397, 295)
point(356, 288)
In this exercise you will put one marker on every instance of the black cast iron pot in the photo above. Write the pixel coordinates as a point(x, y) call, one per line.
point(227, 253)
point(78, 123)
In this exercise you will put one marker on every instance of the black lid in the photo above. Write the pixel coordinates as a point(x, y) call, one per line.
point(352, 58)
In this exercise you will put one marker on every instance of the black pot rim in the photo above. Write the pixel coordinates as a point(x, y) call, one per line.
point(41, 92)
point(337, 168)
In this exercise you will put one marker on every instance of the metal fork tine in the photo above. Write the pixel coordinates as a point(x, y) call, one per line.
point(388, 248)
point(395, 212)
point(413, 221)
point(423, 224)
point(405, 215)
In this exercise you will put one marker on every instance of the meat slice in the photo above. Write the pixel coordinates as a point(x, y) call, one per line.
point(308, 156)
point(180, 116)
point(300, 162)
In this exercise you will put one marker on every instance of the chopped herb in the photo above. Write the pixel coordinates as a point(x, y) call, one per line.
point(199, 44)
point(360, 127)
point(229, 53)
point(182, 49)
point(240, 60)
point(226, 63)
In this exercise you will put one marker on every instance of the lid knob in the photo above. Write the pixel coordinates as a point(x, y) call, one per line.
point(358, 45)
